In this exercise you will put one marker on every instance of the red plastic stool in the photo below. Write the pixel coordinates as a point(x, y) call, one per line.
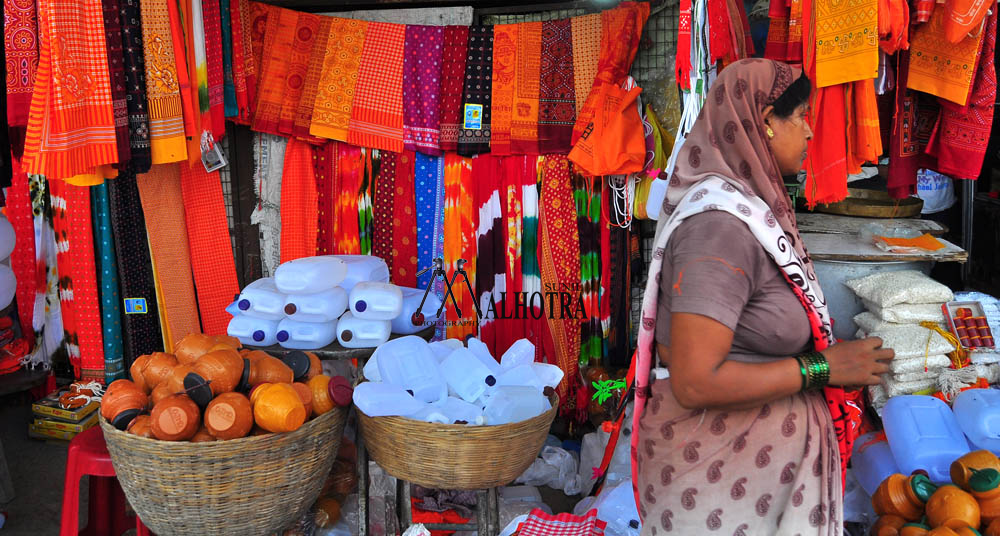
point(88, 455)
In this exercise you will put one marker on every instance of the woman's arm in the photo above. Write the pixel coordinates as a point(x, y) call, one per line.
point(701, 377)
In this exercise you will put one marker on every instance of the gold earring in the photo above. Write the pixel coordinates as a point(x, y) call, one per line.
point(770, 133)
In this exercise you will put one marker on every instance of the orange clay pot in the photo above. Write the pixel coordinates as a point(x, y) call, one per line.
point(327, 512)
point(202, 436)
point(258, 431)
point(278, 408)
point(914, 529)
point(231, 342)
point(315, 366)
point(320, 397)
point(193, 346)
point(162, 391)
point(135, 372)
point(888, 525)
point(993, 529)
point(175, 383)
point(305, 395)
point(255, 355)
point(269, 369)
point(985, 486)
point(140, 426)
point(122, 402)
point(158, 368)
point(967, 531)
point(229, 416)
point(902, 496)
point(963, 468)
point(942, 531)
point(222, 368)
point(952, 507)
point(175, 418)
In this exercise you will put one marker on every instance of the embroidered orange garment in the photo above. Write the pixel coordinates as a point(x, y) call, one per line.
point(299, 208)
point(939, 67)
point(279, 35)
point(305, 33)
point(71, 130)
point(335, 92)
point(505, 51)
point(166, 115)
point(795, 26)
point(846, 41)
point(377, 111)
point(304, 113)
point(586, 51)
point(524, 117)
point(965, 17)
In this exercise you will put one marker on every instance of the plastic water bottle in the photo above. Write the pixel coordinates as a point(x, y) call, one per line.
point(522, 375)
point(510, 404)
point(457, 409)
point(924, 434)
point(384, 400)
point(324, 306)
point(405, 323)
point(482, 353)
point(253, 331)
point(262, 299)
point(466, 375)
point(521, 352)
point(872, 461)
point(376, 301)
point(362, 268)
point(550, 375)
point(431, 413)
point(353, 332)
point(370, 370)
point(443, 349)
point(408, 362)
point(306, 335)
point(978, 414)
point(310, 275)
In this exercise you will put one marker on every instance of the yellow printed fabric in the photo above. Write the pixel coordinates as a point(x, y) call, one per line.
point(335, 93)
point(939, 67)
point(846, 41)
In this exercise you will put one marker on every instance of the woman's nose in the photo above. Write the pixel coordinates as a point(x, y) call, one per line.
point(809, 132)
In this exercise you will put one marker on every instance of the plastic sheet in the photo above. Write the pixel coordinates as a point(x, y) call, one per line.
point(556, 468)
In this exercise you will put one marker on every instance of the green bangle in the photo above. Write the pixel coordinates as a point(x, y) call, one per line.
point(817, 370)
point(805, 373)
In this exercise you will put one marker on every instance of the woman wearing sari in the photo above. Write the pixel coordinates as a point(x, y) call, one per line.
point(738, 437)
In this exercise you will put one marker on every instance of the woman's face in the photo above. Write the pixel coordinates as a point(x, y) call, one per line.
point(791, 138)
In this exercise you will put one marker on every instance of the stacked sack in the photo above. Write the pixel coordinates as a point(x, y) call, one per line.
point(897, 303)
point(313, 301)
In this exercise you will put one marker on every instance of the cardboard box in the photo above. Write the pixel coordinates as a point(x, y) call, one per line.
point(47, 433)
point(55, 424)
point(49, 407)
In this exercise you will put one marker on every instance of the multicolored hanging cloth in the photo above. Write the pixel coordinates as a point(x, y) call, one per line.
point(141, 324)
point(366, 195)
point(269, 152)
point(476, 114)
point(194, 20)
point(30, 279)
point(336, 90)
point(242, 58)
point(47, 320)
point(116, 69)
point(777, 33)
point(941, 68)
point(135, 86)
point(912, 124)
point(490, 281)
point(187, 76)
point(299, 217)
point(459, 243)
point(228, 81)
point(307, 103)
point(305, 32)
point(514, 170)
point(107, 275)
point(587, 197)
point(212, 23)
point(456, 43)
point(524, 117)
point(531, 277)
point(325, 166)
point(505, 52)
point(350, 167)
point(382, 212)
point(586, 32)
point(557, 94)
point(846, 41)
point(166, 113)
point(377, 111)
point(20, 31)
point(404, 232)
point(429, 197)
point(422, 63)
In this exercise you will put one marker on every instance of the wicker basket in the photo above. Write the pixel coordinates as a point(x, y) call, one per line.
point(455, 456)
point(250, 486)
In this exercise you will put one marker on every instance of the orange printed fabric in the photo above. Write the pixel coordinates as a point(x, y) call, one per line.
point(331, 115)
point(279, 38)
point(184, 53)
point(505, 41)
point(306, 31)
point(586, 51)
point(306, 105)
point(350, 175)
point(524, 120)
point(941, 68)
point(166, 116)
point(846, 41)
point(299, 202)
point(460, 241)
point(377, 112)
point(965, 17)
point(71, 129)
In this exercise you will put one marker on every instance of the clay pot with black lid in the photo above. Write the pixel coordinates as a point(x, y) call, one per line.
point(193, 346)
point(952, 507)
point(267, 369)
point(229, 416)
point(158, 368)
point(299, 362)
point(160, 392)
point(140, 426)
point(914, 529)
point(214, 373)
point(888, 525)
point(903, 496)
point(135, 372)
point(122, 402)
point(175, 418)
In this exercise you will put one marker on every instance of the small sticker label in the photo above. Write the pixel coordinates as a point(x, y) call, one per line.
point(135, 306)
point(473, 117)
point(212, 158)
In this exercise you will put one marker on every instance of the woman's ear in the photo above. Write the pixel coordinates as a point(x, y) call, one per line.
point(767, 114)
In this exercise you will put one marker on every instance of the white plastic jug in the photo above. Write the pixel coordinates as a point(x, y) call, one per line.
point(482, 352)
point(376, 301)
point(306, 335)
point(353, 332)
point(550, 375)
point(370, 370)
point(382, 400)
point(309, 275)
point(404, 323)
point(253, 331)
point(442, 349)
point(457, 409)
point(363, 268)
point(510, 404)
point(872, 461)
point(522, 352)
point(924, 434)
point(521, 375)
point(408, 362)
point(466, 375)
point(616, 507)
point(978, 414)
point(8, 287)
point(262, 299)
point(323, 306)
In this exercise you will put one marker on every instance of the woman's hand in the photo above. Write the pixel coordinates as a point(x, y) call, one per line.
point(857, 363)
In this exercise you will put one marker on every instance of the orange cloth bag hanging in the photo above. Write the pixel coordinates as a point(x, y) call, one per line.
point(613, 143)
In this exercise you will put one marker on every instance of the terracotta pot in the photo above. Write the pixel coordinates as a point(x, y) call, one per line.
point(202, 436)
point(902, 496)
point(135, 372)
point(278, 408)
point(942, 531)
point(888, 525)
point(305, 395)
point(993, 529)
point(175, 418)
point(231, 342)
point(193, 346)
point(320, 397)
point(221, 368)
point(162, 391)
point(967, 531)
point(270, 370)
point(952, 507)
point(315, 365)
point(158, 368)
point(175, 383)
point(122, 402)
point(298, 361)
point(255, 355)
point(962, 468)
point(140, 426)
point(985, 486)
point(229, 416)
point(914, 529)
point(327, 512)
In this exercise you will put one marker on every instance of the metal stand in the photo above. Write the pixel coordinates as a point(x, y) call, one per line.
point(439, 271)
point(487, 512)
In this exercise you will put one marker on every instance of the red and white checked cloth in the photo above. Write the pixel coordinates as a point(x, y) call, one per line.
point(541, 524)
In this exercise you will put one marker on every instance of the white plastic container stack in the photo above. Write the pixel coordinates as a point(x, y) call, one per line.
point(323, 306)
point(310, 275)
point(509, 404)
point(305, 335)
point(467, 375)
point(376, 301)
point(362, 268)
point(262, 299)
point(409, 363)
point(443, 349)
point(521, 352)
point(253, 331)
point(482, 353)
point(404, 324)
point(353, 332)
point(384, 399)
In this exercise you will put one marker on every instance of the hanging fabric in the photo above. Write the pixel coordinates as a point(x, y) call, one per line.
point(846, 41)
point(269, 154)
point(107, 276)
point(20, 31)
point(586, 33)
point(534, 322)
point(350, 168)
point(194, 19)
point(135, 86)
point(911, 130)
point(490, 281)
point(893, 26)
point(511, 328)
point(796, 25)
point(336, 90)
point(18, 211)
point(965, 17)
point(459, 239)
point(111, 10)
point(377, 111)
point(141, 327)
point(212, 23)
point(437, 251)
point(505, 63)
point(720, 42)
point(941, 68)
point(307, 103)
point(587, 198)
point(230, 106)
point(299, 215)
point(475, 134)
point(524, 115)
point(428, 202)
point(777, 33)
point(166, 117)
point(453, 61)
point(276, 55)
point(242, 58)
point(325, 164)
point(864, 137)
point(557, 94)
point(685, 35)
point(382, 212)
point(187, 76)
point(366, 195)
point(47, 319)
point(305, 34)
point(404, 232)
point(422, 63)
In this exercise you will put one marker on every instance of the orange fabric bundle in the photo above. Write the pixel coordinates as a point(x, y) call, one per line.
point(166, 114)
point(586, 51)
point(826, 164)
point(279, 37)
point(924, 241)
point(939, 67)
point(349, 176)
point(846, 41)
point(524, 116)
point(306, 105)
point(335, 92)
point(505, 40)
point(299, 204)
point(377, 112)
point(893, 25)
point(864, 138)
point(305, 32)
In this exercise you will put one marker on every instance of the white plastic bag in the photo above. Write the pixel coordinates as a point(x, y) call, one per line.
point(937, 191)
point(886, 289)
point(555, 468)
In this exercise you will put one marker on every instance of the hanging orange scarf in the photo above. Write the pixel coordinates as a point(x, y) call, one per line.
point(460, 241)
point(166, 114)
point(279, 36)
point(586, 51)
point(505, 52)
point(305, 32)
point(939, 67)
point(524, 117)
point(335, 92)
point(304, 113)
point(864, 138)
point(846, 41)
point(377, 111)
point(299, 218)
point(350, 174)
